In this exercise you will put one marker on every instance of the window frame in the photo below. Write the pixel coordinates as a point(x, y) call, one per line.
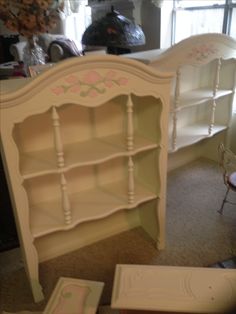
point(228, 8)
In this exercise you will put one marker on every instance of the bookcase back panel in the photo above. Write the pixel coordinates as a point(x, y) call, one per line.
point(38, 192)
point(201, 77)
point(147, 115)
point(74, 123)
point(147, 170)
point(40, 135)
point(227, 74)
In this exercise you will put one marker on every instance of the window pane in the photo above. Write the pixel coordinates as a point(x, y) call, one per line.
point(194, 22)
point(233, 23)
point(197, 3)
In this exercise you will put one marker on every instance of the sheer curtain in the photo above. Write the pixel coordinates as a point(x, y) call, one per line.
point(76, 18)
point(198, 22)
point(233, 21)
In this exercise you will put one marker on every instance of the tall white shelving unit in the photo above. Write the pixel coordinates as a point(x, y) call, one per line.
point(85, 153)
point(203, 89)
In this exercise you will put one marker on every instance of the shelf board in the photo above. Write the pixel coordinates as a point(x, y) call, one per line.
point(199, 96)
point(94, 151)
point(88, 205)
point(194, 133)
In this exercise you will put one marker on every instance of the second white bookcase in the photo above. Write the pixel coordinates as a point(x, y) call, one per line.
point(203, 89)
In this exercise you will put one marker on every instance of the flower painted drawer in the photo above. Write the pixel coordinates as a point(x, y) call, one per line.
point(74, 296)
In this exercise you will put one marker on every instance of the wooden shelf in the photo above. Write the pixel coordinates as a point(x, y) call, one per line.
point(94, 151)
point(199, 96)
point(89, 205)
point(194, 133)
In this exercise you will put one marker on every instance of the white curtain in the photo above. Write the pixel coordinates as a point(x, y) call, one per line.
point(75, 18)
point(73, 6)
point(158, 3)
point(194, 22)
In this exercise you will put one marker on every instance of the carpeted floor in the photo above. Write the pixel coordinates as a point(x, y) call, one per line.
point(196, 236)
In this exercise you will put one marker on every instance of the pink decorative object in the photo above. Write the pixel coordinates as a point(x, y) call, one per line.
point(92, 83)
point(202, 52)
point(92, 77)
point(108, 84)
point(123, 81)
point(75, 89)
point(74, 296)
point(110, 74)
point(58, 90)
point(92, 93)
point(71, 79)
point(71, 300)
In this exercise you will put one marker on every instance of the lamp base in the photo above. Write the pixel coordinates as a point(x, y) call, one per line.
point(117, 50)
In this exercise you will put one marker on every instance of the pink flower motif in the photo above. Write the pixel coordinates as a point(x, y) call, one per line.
point(110, 74)
point(202, 52)
point(92, 77)
point(75, 89)
point(108, 84)
point(71, 79)
point(58, 90)
point(123, 81)
point(93, 93)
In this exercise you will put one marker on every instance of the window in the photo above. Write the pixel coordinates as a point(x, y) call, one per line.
point(232, 19)
point(191, 17)
point(76, 20)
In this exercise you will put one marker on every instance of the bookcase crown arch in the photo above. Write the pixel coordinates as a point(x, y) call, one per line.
point(83, 142)
point(196, 50)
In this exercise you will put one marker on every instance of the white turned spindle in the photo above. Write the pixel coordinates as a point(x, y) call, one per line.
point(215, 89)
point(130, 181)
point(130, 126)
point(175, 109)
point(65, 200)
point(57, 138)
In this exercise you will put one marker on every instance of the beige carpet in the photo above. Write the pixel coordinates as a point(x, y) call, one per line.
point(196, 236)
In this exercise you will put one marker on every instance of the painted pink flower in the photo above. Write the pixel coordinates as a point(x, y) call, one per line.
point(202, 51)
point(92, 77)
point(93, 93)
point(71, 79)
point(108, 84)
point(110, 74)
point(123, 81)
point(58, 90)
point(75, 89)
point(71, 299)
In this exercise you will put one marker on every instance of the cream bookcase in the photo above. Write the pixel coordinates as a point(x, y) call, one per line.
point(85, 152)
point(203, 89)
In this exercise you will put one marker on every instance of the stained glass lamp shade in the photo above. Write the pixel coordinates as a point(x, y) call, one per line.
point(115, 32)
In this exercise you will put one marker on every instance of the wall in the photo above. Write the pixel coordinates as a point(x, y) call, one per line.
point(150, 20)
